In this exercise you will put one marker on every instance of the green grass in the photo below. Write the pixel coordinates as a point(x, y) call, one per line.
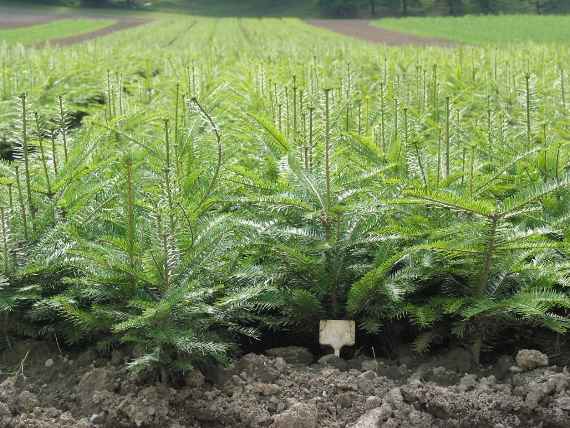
point(52, 30)
point(486, 29)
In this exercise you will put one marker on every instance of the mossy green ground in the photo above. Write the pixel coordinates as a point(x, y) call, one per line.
point(486, 29)
point(52, 30)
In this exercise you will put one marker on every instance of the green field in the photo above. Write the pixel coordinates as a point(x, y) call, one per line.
point(486, 29)
point(52, 30)
point(229, 8)
point(193, 182)
point(216, 8)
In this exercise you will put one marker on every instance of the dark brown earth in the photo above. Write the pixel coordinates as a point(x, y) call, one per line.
point(361, 29)
point(42, 386)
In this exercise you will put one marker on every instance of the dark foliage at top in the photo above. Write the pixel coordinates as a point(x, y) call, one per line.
point(348, 8)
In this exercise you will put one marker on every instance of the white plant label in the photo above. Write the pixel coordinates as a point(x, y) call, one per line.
point(337, 334)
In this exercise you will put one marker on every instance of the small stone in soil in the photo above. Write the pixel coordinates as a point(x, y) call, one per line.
point(530, 359)
point(369, 365)
point(372, 402)
point(97, 419)
point(332, 360)
point(292, 354)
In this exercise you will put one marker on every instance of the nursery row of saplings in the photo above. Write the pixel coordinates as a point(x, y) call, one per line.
point(181, 218)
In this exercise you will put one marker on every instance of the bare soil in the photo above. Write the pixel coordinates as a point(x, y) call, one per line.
point(44, 387)
point(18, 18)
point(361, 29)
point(122, 24)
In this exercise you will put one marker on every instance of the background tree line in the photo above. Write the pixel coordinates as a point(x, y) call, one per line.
point(440, 7)
point(351, 8)
point(75, 3)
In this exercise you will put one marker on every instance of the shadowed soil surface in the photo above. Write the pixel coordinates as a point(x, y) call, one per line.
point(361, 29)
point(44, 387)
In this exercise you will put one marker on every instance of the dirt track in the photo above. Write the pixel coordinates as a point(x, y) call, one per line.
point(361, 29)
point(122, 24)
point(24, 20)
point(19, 18)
